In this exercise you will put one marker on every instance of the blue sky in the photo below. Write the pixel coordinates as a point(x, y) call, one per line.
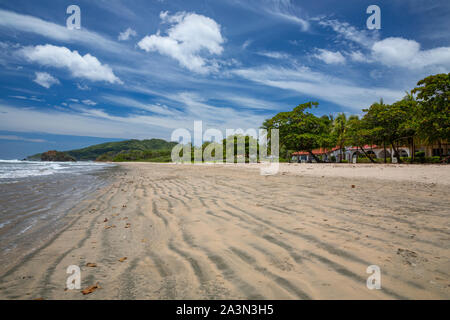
point(140, 69)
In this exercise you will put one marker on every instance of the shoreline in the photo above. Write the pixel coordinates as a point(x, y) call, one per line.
point(225, 232)
point(35, 208)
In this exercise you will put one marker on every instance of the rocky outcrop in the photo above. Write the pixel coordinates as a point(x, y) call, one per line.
point(54, 155)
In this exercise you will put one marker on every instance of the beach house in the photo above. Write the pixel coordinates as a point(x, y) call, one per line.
point(337, 154)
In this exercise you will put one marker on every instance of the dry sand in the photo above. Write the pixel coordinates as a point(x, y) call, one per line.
point(226, 232)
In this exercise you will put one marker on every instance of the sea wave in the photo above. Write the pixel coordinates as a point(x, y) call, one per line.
point(16, 169)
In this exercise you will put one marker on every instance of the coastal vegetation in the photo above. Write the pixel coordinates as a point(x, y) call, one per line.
point(421, 117)
point(156, 150)
point(54, 155)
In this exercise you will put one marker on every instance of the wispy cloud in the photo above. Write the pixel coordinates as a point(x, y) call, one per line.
point(274, 54)
point(127, 34)
point(283, 10)
point(132, 103)
point(89, 102)
point(330, 57)
point(17, 138)
point(315, 85)
point(83, 121)
point(346, 31)
point(32, 98)
point(31, 24)
point(45, 79)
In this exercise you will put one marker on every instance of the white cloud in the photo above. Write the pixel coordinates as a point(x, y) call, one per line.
point(87, 66)
point(128, 102)
point(83, 87)
point(274, 54)
point(17, 138)
point(283, 10)
point(89, 102)
point(32, 98)
point(94, 122)
point(407, 53)
point(392, 52)
point(348, 32)
point(123, 36)
point(189, 37)
point(45, 79)
point(358, 56)
point(246, 44)
point(330, 57)
point(30, 24)
point(315, 85)
point(249, 102)
point(91, 122)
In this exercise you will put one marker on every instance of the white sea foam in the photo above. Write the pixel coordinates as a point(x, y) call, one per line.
point(16, 169)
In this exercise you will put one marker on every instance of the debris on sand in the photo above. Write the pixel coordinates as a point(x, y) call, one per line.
point(91, 265)
point(109, 227)
point(90, 289)
point(410, 257)
point(123, 259)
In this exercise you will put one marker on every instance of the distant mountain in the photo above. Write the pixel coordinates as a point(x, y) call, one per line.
point(128, 150)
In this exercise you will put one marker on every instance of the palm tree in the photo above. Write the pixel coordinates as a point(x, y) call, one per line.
point(339, 131)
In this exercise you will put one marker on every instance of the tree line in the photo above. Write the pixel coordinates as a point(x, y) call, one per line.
point(422, 117)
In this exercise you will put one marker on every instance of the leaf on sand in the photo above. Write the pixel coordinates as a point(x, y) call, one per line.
point(90, 289)
point(109, 227)
point(91, 265)
point(123, 259)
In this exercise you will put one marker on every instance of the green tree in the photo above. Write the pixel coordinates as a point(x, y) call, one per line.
point(301, 130)
point(339, 131)
point(239, 149)
point(433, 112)
point(359, 134)
point(389, 123)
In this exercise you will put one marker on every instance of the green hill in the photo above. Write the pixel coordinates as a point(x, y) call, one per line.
point(129, 150)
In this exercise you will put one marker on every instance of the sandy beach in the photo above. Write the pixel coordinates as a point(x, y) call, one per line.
point(227, 232)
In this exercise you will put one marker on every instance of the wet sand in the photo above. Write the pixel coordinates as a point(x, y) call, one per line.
point(226, 232)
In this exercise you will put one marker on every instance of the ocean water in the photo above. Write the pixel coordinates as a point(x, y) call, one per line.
point(17, 169)
point(35, 198)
